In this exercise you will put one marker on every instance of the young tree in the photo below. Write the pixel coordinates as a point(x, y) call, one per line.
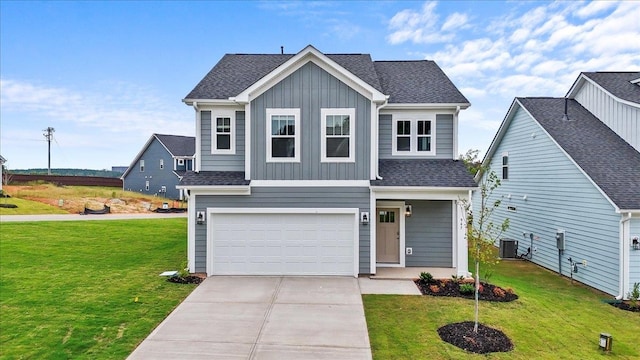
point(482, 232)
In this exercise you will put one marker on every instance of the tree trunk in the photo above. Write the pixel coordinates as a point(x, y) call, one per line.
point(477, 300)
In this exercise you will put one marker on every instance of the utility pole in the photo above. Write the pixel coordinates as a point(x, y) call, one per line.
point(49, 135)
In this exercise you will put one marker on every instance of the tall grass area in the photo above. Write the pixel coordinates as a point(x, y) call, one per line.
point(28, 207)
point(68, 289)
point(552, 319)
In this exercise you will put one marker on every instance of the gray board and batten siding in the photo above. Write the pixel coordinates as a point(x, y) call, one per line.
point(428, 232)
point(288, 197)
point(311, 89)
point(443, 139)
point(221, 162)
point(558, 197)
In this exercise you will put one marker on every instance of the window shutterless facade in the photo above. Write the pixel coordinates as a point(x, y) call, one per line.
point(161, 164)
point(141, 165)
point(223, 133)
point(413, 137)
point(283, 135)
point(337, 135)
point(505, 166)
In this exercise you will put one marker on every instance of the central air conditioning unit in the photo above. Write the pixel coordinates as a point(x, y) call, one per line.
point(508, 248)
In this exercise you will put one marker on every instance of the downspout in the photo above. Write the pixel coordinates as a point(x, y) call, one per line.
point(624, 248)
point(198, 155)
point(386, 102)
point(455, 129)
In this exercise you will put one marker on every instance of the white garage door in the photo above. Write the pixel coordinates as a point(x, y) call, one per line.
point(282, 244)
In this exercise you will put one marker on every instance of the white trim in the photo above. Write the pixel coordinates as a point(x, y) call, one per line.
point(211, 102)
point(324, 112)
point(217, 189)
point(374, 128)
point(461, 241)
point(398, 205)
point(577, 86)
point(419, 193)
point(191, 230)
point(141, 165)
point(198, 160)
point(413, 136)
point(505, 154)
point(295, 112)
point(247, 142)
point(426, 106)
point(372, 234)
point(455, 133)
point(349, 211)
point(310, 183)
point(223, 113)
point(309, 54)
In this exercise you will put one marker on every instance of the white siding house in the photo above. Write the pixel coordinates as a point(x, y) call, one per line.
point(572, 169)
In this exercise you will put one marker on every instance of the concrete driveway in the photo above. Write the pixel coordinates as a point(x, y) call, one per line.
point(234, 317)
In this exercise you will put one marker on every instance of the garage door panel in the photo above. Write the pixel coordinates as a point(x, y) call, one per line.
point(283, 244)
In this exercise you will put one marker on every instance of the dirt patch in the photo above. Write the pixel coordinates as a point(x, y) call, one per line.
point(486, 340)
point(488, 292)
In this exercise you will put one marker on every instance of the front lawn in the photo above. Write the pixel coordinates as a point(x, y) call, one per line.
point(68, 289)
point(27, 207)
point(552, 319)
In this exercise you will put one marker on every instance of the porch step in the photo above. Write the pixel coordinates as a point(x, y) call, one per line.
point(412, 273)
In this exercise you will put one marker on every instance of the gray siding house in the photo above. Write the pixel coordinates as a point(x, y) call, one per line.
point(325, 164)
point(159, 166)
point(570, 168)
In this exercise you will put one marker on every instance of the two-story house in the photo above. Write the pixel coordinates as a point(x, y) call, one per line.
point(325, 164)
point(159, 166)
point(570, 170)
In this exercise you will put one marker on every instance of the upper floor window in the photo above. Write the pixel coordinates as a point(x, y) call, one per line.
point(161, 164)
point(337, 135)
point(413, 137)
point(180, 162)
point(283, 135)
point(505, 166)
point(223, 134)
point(141, 165)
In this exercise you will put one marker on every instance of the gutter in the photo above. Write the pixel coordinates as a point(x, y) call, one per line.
point(378, 108)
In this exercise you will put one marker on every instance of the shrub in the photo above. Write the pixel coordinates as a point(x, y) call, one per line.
point(509, 290)
point(466, 289)
point(426, 277)
point(457, 279)
point(499, 292)
point(434, 289)
point(480, 288)
point(634, 295)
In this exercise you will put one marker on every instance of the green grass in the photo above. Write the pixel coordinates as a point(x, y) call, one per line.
point(67, 289)
point(28, 207)
point(552, 319)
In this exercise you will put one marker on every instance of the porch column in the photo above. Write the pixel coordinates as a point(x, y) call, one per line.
point(462, 255)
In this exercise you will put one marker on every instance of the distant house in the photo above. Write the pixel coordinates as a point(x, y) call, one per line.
point(119, 169)
point(570, 170)
point(160, 165)
point(2, 161)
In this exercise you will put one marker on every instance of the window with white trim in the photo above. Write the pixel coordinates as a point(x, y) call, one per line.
point(180, 162)
point(141, 165)
point(337, 142)
point(161, 164)
point(413, 137)
point(505, 166)
point(223, 133)
point(283, 135)
point(146, 185)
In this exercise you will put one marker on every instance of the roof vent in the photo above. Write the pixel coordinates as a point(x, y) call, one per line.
point(565, 117)
point(281, 50)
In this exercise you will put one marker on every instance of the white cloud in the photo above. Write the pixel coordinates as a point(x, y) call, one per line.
point(595, 7)
point(455, 21)
point(421, 27)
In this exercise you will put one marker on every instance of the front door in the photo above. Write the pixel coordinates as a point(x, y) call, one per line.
point(388, 236)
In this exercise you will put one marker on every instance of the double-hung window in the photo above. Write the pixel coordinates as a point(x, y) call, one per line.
point(283, 135)
point(413, 137)
point(505, 166)
point(141, 165)
point(223, 133)
point(161, 164)
point(337, 142)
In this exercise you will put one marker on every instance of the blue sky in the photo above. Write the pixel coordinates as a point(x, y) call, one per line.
point(106, 75)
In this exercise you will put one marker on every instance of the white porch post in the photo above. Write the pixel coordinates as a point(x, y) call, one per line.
point(191, 227)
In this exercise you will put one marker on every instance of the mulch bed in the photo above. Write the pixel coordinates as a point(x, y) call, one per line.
point(191, 279)
point(488, 292)
point(486, 340)
point(626, 305)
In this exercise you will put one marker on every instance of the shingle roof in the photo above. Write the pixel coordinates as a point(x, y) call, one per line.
point(403, 81)
point(178, 145)
point(417, 82)
point(424, 172)
point(219, 178)
point(618, 83)
point(607, 159)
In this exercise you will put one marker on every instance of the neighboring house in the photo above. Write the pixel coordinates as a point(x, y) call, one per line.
point(309, 164)
point(160, 165)
point(119, 169)
point(576, 177)
point(2, 162)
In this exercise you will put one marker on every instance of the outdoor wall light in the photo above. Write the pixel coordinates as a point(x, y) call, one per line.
point(200, 217)
point(635, 244)
point(606, 342)
point(408, 210)
point(364, 217)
